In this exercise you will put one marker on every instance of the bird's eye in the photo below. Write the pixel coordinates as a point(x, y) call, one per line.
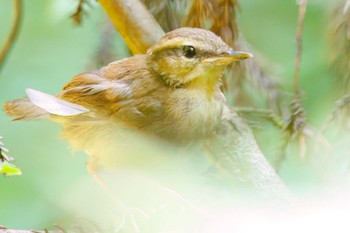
point(189, 51)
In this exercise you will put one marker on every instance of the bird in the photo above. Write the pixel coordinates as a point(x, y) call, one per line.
point(171, 93)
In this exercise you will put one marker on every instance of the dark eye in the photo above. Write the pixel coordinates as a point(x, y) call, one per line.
point(189, 51)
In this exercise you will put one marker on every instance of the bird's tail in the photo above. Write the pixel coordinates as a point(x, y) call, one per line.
point(39, 105)
point(23, 109)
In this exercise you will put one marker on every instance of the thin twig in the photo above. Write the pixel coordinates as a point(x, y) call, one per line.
point(299, 45)
point(267, 113)
point(296, 121)
point(13, 33)
point(5, 230)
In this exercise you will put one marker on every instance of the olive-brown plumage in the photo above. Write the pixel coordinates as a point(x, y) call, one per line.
point(172, 93)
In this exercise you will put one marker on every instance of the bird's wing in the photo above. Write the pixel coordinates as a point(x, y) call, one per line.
point(123, 88)
point(53, 104)
point(96, 92)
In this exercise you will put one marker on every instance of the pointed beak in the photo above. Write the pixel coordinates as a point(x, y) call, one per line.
point(227, 57)
point(237, 55)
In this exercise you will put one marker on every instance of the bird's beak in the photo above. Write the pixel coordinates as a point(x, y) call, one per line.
point(227, 57)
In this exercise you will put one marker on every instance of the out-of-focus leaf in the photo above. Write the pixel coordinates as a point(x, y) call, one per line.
point(9, 169)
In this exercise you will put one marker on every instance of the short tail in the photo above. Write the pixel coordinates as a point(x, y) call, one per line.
point(23, 109)
point(40, 105)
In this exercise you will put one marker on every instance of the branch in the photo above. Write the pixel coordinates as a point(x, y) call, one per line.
point(299, 45)
point(77, 229)
point(6, 230)
point(13, 34)
point(25, 231)
point(240, 160)
point(134, 22)
point(296, 122)
point(266, 113)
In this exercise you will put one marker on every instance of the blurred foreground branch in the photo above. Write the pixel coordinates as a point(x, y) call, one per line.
point(61, 230)
point(13, 34)
point(79, 227)
point(25, 231)
point(239, 158)
point(6, 230)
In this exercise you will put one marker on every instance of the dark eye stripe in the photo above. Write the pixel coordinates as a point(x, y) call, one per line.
point(189, 51)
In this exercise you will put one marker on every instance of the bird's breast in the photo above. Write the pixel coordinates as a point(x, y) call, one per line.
point(191, 115)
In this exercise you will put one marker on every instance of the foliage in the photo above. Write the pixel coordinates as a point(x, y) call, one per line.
point(6, 168)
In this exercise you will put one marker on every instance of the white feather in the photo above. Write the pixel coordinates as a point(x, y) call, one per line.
point(53, 104)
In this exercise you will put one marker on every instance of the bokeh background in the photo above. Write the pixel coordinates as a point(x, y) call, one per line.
point(51, 49)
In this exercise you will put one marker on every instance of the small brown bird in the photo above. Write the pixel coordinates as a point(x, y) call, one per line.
point(172, 93)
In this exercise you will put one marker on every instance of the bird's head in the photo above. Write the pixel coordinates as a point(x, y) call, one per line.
point(192, 57)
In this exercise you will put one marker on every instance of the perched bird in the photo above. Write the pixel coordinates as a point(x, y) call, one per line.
point(172, 93)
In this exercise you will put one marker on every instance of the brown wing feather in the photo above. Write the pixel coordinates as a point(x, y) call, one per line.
point(123, 90)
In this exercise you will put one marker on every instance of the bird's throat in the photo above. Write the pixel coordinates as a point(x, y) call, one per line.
point(209, 82)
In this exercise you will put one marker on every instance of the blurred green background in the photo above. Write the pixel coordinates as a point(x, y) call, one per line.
point(50, 50)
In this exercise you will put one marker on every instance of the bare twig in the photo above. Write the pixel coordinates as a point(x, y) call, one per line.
point(297, 119)
point(299, 44)
point(266, 113)
point(13, 33)
point(295, 127)
point(5, 230)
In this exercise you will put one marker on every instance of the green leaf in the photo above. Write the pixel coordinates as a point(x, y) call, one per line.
point(9, 169)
